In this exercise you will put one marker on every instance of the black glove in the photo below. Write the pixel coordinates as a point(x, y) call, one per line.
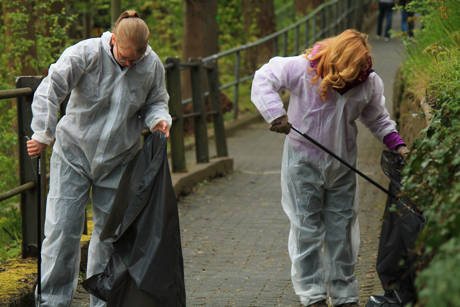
point(281, 125)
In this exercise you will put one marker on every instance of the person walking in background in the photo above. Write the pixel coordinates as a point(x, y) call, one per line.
point(407, 18)
point(331, 86)
point(116, 85)
point(385, 13)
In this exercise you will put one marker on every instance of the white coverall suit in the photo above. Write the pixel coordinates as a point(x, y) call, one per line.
point(319, 193)
point(100, 132)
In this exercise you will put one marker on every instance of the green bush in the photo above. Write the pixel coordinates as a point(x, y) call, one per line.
point(49, 38)
point(439, 283)
point(431, 177)
point(10, 232)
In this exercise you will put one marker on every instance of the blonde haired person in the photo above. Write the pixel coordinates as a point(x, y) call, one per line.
point(331, 86)
point(116, 86)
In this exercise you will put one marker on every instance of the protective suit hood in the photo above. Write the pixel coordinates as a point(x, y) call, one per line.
point(107, 109)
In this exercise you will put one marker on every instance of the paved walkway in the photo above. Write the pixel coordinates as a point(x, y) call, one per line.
point(235, 232)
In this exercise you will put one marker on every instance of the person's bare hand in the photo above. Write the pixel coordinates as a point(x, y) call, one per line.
point(34, 147)
point(163, 127)
point(403, 151)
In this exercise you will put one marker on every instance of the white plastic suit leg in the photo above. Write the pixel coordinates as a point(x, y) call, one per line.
point(321, 247)
point(67, 200)
point(99, 252)
point(65, 213)
point(342, 239)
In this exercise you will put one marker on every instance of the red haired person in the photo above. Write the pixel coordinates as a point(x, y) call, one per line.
point(331, 86)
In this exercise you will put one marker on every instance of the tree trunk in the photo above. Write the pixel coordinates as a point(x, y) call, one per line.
point(303, 7)
point(115, 10)
point(200, 35)
point(259, 21)
point(200, 28)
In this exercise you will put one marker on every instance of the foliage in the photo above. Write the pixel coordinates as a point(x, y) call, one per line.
point(433, 170)
point(33, 34)
point(164, 19)
point(231, 24)
point(438, 33)
point(10, 232)
point(285, 13)
point(439, 283)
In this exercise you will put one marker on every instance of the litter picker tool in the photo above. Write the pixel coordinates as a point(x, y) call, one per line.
point(406, 203)
point(39, 230)
point(39, 224)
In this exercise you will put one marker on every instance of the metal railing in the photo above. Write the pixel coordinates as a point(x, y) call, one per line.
point(328, 19)
point(28, 179)
point(28, 174)
point(199, 114)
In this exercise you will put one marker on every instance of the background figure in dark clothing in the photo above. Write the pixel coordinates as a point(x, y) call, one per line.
point(407, 18)
point(385, 12)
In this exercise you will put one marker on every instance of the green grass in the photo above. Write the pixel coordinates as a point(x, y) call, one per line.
point(10, 231)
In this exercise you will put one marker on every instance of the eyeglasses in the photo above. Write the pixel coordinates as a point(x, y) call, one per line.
point(122, 59)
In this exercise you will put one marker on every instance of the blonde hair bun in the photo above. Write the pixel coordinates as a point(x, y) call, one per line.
point(131, 29)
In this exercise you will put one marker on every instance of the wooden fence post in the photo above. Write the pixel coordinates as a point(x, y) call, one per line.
point(28, 171)
point(201, 131)
point(173, 84)
point(214, 95)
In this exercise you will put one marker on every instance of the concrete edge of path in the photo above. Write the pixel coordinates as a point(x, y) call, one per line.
point(184, 183)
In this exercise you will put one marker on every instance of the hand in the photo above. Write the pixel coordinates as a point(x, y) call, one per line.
point(403, 151)
point(34, 147)
point(163, 127)
point(281, 125)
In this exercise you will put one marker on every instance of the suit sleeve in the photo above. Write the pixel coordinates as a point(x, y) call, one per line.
point(62, 78)
point(279, 73)
point(375, 116)
point(157, 98)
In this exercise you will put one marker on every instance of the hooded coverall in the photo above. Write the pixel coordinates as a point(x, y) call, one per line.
point(319, 193)
point(108, 107)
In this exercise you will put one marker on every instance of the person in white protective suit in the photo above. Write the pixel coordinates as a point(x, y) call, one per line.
point(331, 86)
point(117, 88)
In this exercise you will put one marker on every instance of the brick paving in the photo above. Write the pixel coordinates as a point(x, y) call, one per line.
point(234, 232)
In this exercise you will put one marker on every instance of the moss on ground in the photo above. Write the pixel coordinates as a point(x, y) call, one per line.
point(18, 276)
point(17, 280)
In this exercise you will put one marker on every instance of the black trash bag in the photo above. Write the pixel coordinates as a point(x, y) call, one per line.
point(146, 268)
point(402, 223)
point(389, 299)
